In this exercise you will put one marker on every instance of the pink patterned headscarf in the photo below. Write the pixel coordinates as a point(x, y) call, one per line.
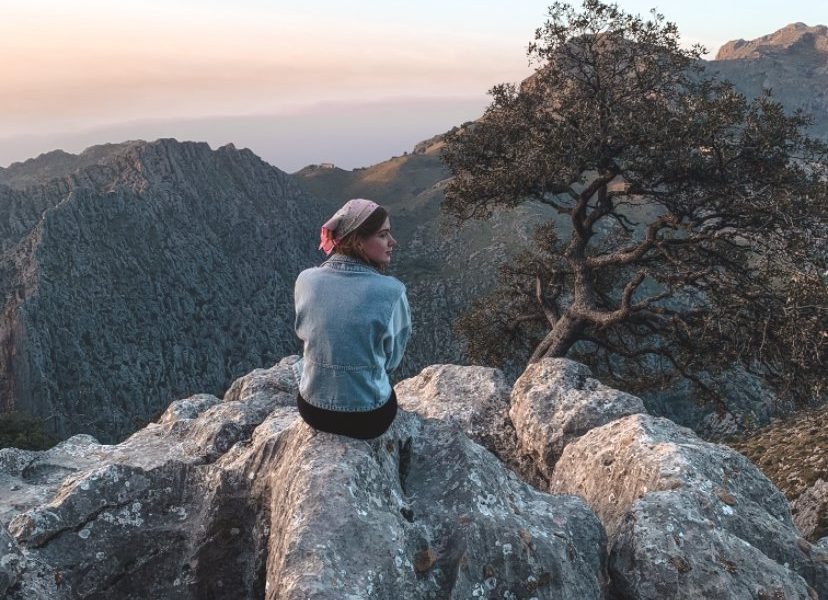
point(345, 220)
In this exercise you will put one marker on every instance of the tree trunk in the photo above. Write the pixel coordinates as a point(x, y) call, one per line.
point(557, 342)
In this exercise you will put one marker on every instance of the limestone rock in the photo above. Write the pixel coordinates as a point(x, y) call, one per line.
point(266, 387)
point(240, 499)
point(475, 398)
point(555, 401)
point(431, 515)
point(10, 559)
point(810, 511)
point(686, 518)
point(40, 581)
point(28, 478)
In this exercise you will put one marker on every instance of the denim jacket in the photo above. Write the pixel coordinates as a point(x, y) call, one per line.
point(355, 323)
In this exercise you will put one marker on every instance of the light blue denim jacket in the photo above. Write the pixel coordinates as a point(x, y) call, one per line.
point(355, 323)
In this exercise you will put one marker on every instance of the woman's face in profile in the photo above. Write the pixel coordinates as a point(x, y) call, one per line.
point(379, 246)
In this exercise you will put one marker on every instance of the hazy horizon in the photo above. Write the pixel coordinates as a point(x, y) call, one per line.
point(297, 83)
point(330, 132)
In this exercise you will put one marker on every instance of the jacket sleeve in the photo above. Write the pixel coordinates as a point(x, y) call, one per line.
point(399, 330)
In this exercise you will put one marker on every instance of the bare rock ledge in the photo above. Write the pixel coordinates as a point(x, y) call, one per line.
point(238, 498)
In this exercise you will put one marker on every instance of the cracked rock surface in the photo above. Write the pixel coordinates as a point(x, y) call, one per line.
point(555, 401)
point(477, 400)
point(811, 511)
point(686, 518)
point(238, 498)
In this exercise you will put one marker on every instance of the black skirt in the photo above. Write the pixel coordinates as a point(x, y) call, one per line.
point(361, 425)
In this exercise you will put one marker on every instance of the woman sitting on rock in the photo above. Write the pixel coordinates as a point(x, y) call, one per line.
point(355, 322)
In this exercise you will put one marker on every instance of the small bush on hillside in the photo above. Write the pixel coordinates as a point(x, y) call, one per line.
point(18, 430)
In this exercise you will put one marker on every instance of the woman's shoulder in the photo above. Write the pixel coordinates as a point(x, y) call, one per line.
point(390, 282)
point(309, 272)
point(368, 277)
point(400, 285)
point(385, 286)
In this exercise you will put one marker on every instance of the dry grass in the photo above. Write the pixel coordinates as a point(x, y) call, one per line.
point(792, 453)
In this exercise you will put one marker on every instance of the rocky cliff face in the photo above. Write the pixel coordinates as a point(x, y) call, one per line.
point(238, 498)
point(151, 271)
point(791, 62)
point(796, 39)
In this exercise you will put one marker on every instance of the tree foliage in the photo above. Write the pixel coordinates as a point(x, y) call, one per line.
point(18, 430)
point(696, 219)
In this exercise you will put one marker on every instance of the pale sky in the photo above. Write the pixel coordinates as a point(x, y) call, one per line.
point(265, 73)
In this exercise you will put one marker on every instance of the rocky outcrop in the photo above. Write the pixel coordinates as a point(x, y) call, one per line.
point(556, 401)
point(686, 518)
point(475, 398)
point(238, 498)
point(791, 39)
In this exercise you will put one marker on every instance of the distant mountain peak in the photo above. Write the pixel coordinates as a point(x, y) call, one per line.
point(791, 39)
point(59, 164)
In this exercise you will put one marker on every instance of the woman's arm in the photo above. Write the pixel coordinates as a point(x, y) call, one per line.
point(399, 330)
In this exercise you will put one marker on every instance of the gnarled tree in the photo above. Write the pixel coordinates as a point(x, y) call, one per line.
point(692, 222)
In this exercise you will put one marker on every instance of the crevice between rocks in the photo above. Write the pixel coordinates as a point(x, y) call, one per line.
point(404, 464)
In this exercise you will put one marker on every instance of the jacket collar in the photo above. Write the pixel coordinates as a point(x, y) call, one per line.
point(343, 262)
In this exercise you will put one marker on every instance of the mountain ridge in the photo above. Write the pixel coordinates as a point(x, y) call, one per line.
point(791, 64)
point(792, 39)
point(138, 277)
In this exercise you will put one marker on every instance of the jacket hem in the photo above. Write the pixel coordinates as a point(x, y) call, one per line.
point(340, 408)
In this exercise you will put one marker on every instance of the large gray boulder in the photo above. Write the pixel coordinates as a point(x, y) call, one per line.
point(477, 400)
point(686, 518)
point(425, 513)
point(555, 401)
point(239, 498)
